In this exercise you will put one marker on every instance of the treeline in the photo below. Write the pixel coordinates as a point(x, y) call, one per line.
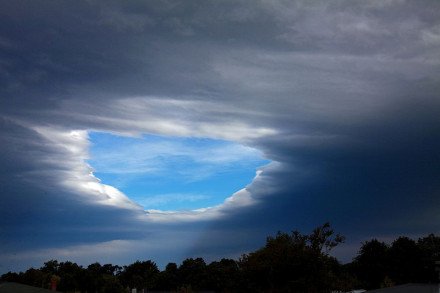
point(287, 263)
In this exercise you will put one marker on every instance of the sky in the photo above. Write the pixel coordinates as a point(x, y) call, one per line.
point(173, 173)
point(134, 130)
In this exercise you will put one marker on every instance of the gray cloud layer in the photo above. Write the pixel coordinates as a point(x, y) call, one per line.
point(343, 96)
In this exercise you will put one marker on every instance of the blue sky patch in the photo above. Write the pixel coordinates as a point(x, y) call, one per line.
point(173, 173)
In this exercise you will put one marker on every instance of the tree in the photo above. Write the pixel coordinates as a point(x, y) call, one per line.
point(293, 262)
point(371, 265)
point(10, 277)
point(111, 284)
point(289, 262)
point(430, 250)
point(51, 267)
point(193, 273)
point(169, 278)
point(322, 239)
point(93, 279)
point(223, 275)
point(70, 276)
point(140, 275)
point(404, 261)
point(34, 277)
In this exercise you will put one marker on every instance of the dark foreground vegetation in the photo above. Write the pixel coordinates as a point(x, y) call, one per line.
point(287, 263)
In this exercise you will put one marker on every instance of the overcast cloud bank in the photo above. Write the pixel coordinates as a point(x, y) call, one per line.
point(343, 97)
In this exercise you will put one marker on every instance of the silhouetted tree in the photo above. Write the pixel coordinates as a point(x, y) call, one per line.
point(346, 280)
point(34, 277)
point(11, 277)
point(223, 275)
point(140, 275)
point(293, 262)
point(430, 250)
point(51, 267)
point(193, 274)
point(404, 261)
point(70, 276)
point(371, 265)
point(169, 278)
point(93, 279)
point(111, 284)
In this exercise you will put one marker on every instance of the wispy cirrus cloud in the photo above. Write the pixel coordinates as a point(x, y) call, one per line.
point(166, 172)
point(156, 154)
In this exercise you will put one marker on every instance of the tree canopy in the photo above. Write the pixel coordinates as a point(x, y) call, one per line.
point(288, 262)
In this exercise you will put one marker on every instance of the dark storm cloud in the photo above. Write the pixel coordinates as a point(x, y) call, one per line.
point(342, 96)
point(35, 208)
